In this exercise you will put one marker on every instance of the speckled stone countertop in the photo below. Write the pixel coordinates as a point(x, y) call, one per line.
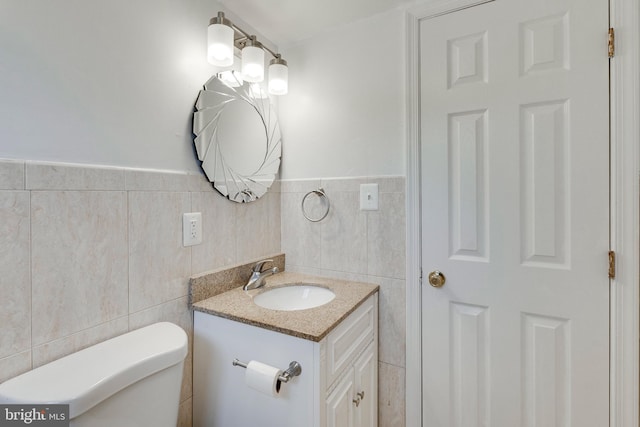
point(312, 324)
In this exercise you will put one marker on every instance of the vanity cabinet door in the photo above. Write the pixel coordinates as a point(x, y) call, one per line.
point(350, 338)
point(350, 369)
point(340, 406)
point(366, 388)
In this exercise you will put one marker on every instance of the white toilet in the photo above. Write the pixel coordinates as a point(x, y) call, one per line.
point(131, 380)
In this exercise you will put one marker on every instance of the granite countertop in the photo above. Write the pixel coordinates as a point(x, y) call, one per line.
point(312, 324)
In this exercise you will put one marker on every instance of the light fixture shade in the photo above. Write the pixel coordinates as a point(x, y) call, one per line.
point(253, 64)
point(278, 77)
point(220, 45)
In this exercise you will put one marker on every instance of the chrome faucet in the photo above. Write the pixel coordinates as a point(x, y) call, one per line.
point(258, 275)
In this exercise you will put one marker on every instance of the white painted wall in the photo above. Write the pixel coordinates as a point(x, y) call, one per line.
point(114, 83)
point(102, 82)
point(344, 114)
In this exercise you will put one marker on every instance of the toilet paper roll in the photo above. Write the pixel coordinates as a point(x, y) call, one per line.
point(263, 378)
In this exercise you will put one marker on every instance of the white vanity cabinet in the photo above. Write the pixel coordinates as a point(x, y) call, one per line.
point(337, 386)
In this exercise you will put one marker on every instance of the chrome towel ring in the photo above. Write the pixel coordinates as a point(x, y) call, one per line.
point(320, 193)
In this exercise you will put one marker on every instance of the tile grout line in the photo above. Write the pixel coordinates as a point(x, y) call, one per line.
point(392, 364)
point(85, 330)
point(30, 272)
point(128, 236)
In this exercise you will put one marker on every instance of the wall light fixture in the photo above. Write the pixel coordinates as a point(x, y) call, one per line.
point(224, 36)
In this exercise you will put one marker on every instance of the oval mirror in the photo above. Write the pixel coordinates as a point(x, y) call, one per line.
point(237, 137)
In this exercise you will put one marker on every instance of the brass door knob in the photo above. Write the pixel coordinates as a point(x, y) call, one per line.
point(437, 279)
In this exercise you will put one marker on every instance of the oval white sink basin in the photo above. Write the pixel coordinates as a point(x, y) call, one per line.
point(294, 297)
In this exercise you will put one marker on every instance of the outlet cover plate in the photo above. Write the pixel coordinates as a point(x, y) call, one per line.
point(191, 229)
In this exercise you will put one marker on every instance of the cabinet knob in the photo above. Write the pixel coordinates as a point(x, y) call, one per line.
point(360, 396)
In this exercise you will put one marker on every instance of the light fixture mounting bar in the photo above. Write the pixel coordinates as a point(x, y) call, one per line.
point(240, 41)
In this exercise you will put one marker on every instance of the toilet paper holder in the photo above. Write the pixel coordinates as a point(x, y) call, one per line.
point(293, 370)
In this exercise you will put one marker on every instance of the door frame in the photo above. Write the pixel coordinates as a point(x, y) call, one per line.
point(624, 16)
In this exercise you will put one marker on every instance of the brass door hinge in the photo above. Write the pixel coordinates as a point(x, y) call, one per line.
point(612, 265)
point(612, 43)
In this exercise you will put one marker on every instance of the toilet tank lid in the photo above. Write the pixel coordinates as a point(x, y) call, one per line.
point(88, 377)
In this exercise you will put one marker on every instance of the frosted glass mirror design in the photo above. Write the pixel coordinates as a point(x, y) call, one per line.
point(237, 137)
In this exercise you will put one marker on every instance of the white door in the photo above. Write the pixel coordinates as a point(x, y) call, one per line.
point(515, 205)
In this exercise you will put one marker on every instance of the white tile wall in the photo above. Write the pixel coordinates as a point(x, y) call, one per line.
point(219, 216)
point(391, 389)
point(88, 253)
point(258, 227)
point(52, 350)
point(358, 245)
point(78, 261)
point(15, 284)
point(343, 235)
point(159, 266)
point(301, 237)
point(15, 364)
point(386, 237)
point(11, 175)
point(56, 176)
point(91, 252)
point(391, 320)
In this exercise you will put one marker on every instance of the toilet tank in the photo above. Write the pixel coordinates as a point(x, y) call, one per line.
point(130, 380)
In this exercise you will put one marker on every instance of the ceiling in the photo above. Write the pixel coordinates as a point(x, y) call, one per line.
point(286, 22)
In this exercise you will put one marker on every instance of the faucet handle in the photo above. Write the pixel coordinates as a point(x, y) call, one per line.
point(258, 267)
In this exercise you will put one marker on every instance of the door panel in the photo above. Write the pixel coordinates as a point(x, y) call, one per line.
point(515, 202)
point(544, 183)
point(470, 388)
point(467, 195)
point(546, 371)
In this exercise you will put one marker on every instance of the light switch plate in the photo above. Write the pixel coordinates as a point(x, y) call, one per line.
point(191, 229)
point(368, 197)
